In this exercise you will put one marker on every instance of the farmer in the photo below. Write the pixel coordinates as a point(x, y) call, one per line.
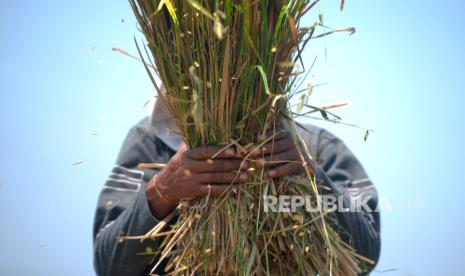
point(134, 200)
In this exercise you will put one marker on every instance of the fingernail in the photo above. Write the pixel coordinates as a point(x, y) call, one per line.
point(243, 176)
point(229, 152)
point(272, 173)
point(187, 172)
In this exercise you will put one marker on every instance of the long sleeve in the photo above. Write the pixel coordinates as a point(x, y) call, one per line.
point(123, 207)
point(340, 171)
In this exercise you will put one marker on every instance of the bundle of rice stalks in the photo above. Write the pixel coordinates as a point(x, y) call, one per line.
point(228, 68)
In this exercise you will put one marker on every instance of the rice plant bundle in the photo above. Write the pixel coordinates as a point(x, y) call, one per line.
point(228, 69)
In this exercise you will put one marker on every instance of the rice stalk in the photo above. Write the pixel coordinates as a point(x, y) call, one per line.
point(229, 71)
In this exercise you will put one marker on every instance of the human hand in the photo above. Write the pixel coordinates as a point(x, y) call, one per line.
point(280, 155)
point(195, 173)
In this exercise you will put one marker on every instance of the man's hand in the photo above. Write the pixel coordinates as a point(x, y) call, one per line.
point(280, 155)
point(194, 173)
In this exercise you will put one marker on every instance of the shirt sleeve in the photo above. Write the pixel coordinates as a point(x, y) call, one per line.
point(342, 173)
point(123, 209)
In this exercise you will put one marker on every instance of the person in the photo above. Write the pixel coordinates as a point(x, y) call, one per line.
point(134, 200)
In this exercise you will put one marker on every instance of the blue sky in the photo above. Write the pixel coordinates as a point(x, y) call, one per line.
point(66, 97)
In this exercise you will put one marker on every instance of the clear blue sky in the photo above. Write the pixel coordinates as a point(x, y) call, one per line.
point(60, 83)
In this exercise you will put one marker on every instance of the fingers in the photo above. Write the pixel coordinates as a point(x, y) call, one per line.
point(217, 165)
point(216, 190)
point(285, 170)
point(275, 146)
point(278, 159)
point(200, 184)
point(222, 178)
point(208, 152)
point(223, 182)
